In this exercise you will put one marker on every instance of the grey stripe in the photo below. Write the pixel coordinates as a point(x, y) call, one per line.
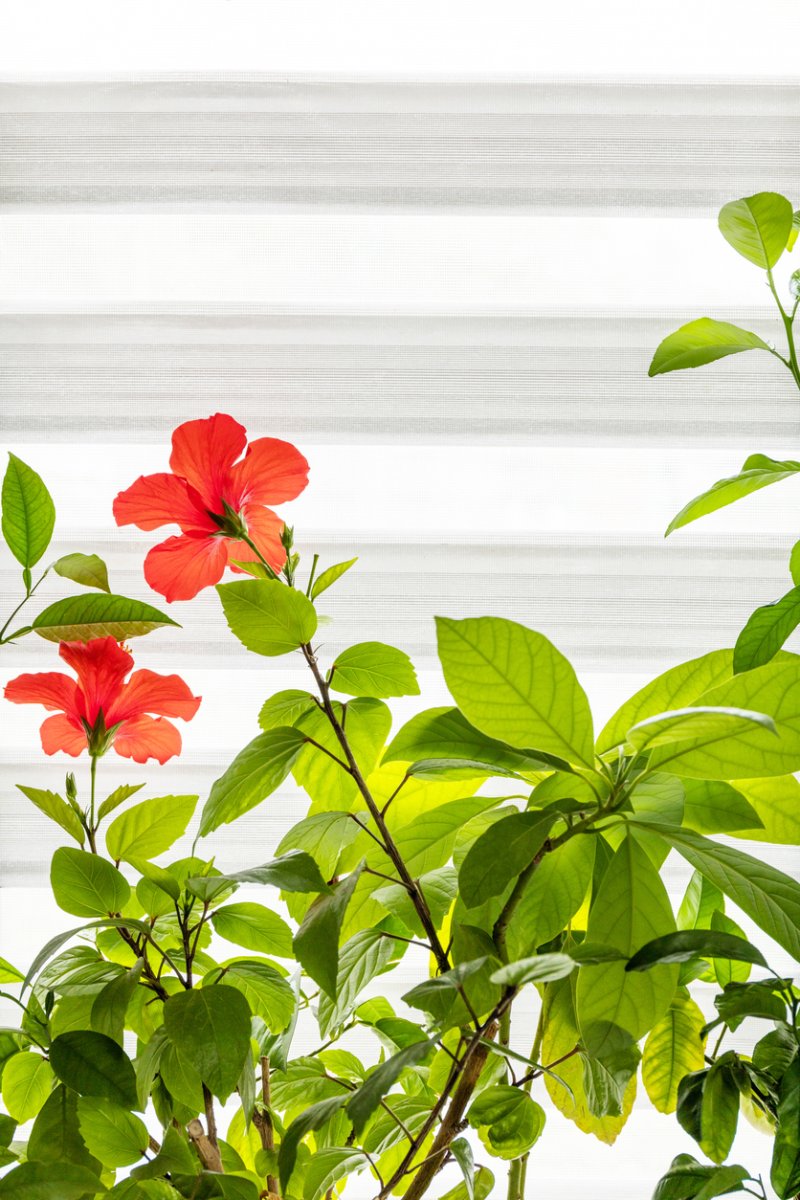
point(675, 147)
point(535, 378)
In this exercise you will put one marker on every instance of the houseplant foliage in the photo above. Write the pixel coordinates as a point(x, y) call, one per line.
point(765, 1083)
point(500, 845)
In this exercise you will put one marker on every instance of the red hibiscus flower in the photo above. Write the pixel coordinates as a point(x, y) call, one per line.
point(102, 709)
point(215, 496)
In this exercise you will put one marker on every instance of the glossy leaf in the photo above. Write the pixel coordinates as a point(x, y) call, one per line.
point(776, 804)
point(88, 570)
point(316, 942)
point(507, 1120)
point(210, 1027)
point(501, 854)
point(758, 227)
point(552, 896)
point(701, 724)
point(253, 775)
point(436, 995)
point(115, 1136)
point(295, 871)
point(321, 771)
point(149, 828)
point(766, 631)
point(57, 809)
point(758, 472)
point(700, 342)
point(328, 1166)
point(512, 683)
point(687, 1179)
point(541, 968)
point(117, 797)
point(27, 1080)
point(329, 576)
point(50, 1181)
point(110, 1005)
point(785, 1171)
point(29, 515)
point(82, 618)
point(360, 959)
point(266, 616)
point(268, 994)
point(445, 734)
point(255, 927)
point(366, 1099)
point(94, 1065)
point(712, 806)
point(86, 884)
point(686, 944)
point(373, 669)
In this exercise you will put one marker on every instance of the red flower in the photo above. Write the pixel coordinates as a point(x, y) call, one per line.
point(101, 709)
point(212, 495)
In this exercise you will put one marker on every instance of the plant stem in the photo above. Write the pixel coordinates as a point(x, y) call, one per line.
point(788, 327)
point(263, 1121)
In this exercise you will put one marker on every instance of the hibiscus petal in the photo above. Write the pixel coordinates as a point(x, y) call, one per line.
point(60, 733)
point(265, 528)
point(50, 688)
point(101, 665)
point(146, 737)
point(147, 692)
point(182, 566)
point(270, 472)
point(203, 453)
point(155, 500)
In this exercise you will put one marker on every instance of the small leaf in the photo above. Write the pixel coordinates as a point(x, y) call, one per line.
point(83, 618)
point(329, 576)
point(687, 944)
point(86, 885)
point(110, 1006)
point(700, 342)
point(363, 1102)
point(292, 872)
point(255, 927)
point(316, 943)
point(674, 1048)
point(57, 809)
point(507, 1120)
point(266, 616)
point(89, 570)
point(112, 1134)
point(253, 775)
point(94, 1065)
point(435, 995)
point(210, 1027)
point(444, 733)
point(758, 227)
point(373, 669)
point(501, 853)
point(117, 797)
point(29, 514)
point(766, 631)
point(314, 1117)
point(758, 472)
point(328, 1166)
point(27, 1080)
point(541, 968)
point(149, 828)
point(285, 708)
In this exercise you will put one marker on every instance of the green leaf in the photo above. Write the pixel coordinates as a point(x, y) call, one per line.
point(702, 725)
point(766, 895)
point(610, 1060)
point(507, 1120)
point(292, 872)
point(27, 1080)
point(57, 809)
point(111, 1133)
point(329, 576)
point(512, 683)
point(766, 631)
point(149, 828)
point(541, 968)
point(462, 1153)
point(711, 806)
point(314, 1117)
point(29, 514)
point(284, 708)
point(785, 1172)
point(319, 771)
point(253, 775)
point(267, 617)
point(174, 1158)
point(700, 342)
point(89, 570)
point(687, 1179)
point(739, 1000)
point(117, 797)
point(363, 1102)
point(501, 854)
point(630, 908)
point(82, 618)
point(110, 1006)
point(324, 836)
point(444, 733)
point(9, 973)
point(328, 1166)
point(719, 1111)
point(361, 958)
point(316, 943)
point(86, 884)
point(551, 897)
point(674, 1048)
point(436, 995)
point(483, 1187)
point(758, 227)
point(210, 1027)
point(753, 751)
point(373, 669)
point(94, 1065)
point(265, 990)
point(776, 804)
point(50, 1181)
point(255, 927)
point(794, 564)
point(686, 944)
point(758, 472)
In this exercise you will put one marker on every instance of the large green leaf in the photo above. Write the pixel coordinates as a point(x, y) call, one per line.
point(785, 1172)
point(552, 896)
point(29, 514)
point(363, 1102)
point(149, 828)
point(94, 1065)
point(27, 1080)
point(57, 809)
point(712, 806)
point(700, 342)
point(373, 669)
point(292, 872)
point(776, 805)
point(86, 884)
point(758, 227)
point(674, 1047)
point(630, 908)
point(361, 958)
point(265, 989)
point(82, 618)
point(676, 688)
point(50, 1181)
point(115, 1136)
point(685, 944)
point(321, 772)
point(700, 724)
point(501, 853)
point(766, 631)
point(268, 617)
point(89, 570)
point(513, 684)
point(768, 896)
point(255, 927)
point(210, 1027)
point(444, 733)
point(687, 1179)
point(316, 942)
point(758, 471)
point(328, 1166)
point(324, 836)
point(252, 776)
point(753, 751)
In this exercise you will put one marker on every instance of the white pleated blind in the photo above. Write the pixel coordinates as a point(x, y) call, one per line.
point(447, 292)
